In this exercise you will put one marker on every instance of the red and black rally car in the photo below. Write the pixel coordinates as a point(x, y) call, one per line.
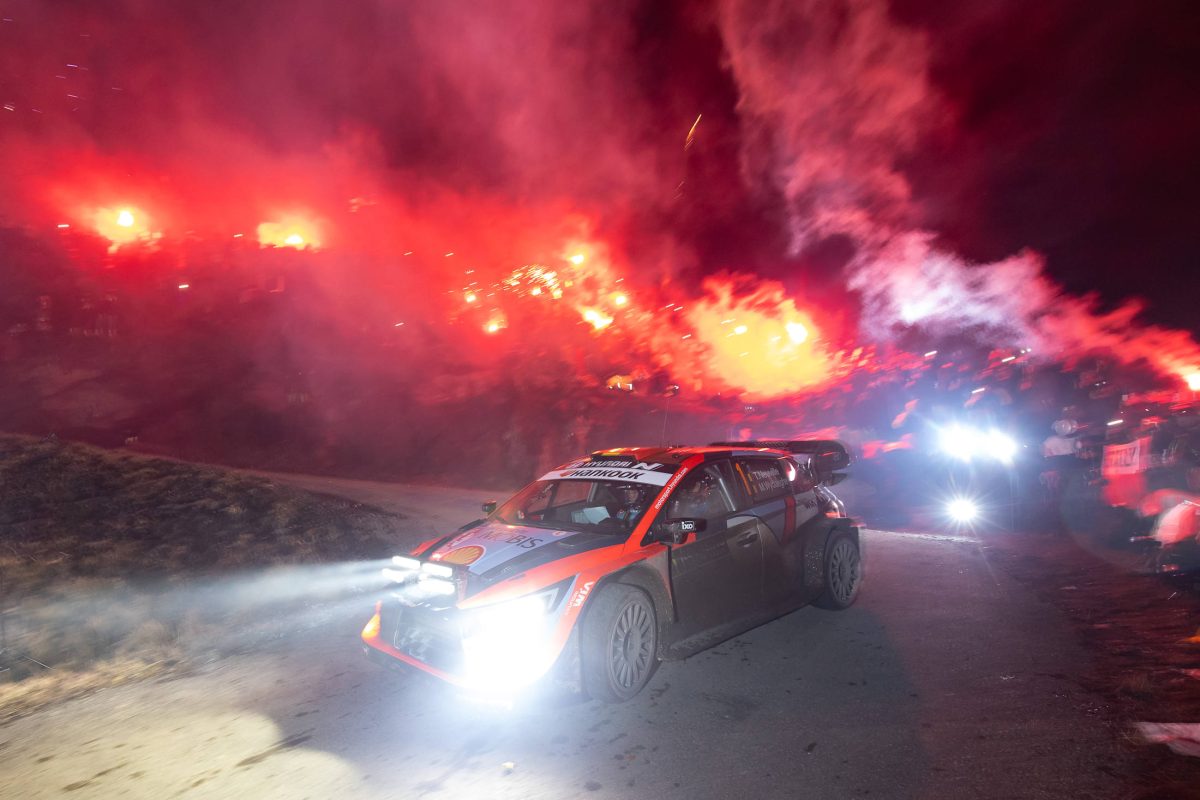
point(611, 563)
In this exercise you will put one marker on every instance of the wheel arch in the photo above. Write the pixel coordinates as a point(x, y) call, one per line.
point(650, 577)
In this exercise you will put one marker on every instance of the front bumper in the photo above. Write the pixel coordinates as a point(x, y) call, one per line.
point(430, 641)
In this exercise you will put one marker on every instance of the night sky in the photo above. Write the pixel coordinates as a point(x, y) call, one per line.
point(1067, 130)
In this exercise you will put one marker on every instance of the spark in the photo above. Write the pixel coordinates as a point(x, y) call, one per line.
point(183, 286)
point(980, 389)
point(931, 354)
point(620, 299)
point(576, 259)
point(471, 297)
point(125, 218)
point(1193, 381)
point(63, 225)
point(740, 329)
point(796, 332)
point(1114, 422)
point(535, 291)
point(691, 135)
point(449, 254)
point(1006, 360)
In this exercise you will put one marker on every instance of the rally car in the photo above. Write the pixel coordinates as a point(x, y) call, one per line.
point(609, 564)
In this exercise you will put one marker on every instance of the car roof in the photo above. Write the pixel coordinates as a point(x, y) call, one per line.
point(676, 454)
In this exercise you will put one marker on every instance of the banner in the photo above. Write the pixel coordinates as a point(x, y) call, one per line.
point(1123, 468)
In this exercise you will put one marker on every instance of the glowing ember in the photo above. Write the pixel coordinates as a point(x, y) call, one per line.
point(620, 299)
point(598, 319)
point(289, 232)
point(123, 226)
point(471, 297)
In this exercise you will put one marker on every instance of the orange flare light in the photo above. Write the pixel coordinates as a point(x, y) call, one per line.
point(760, 341)
point(289, 232)
point(123, 225)
point(596, 318)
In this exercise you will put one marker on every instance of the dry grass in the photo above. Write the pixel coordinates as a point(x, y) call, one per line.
point(109, 559)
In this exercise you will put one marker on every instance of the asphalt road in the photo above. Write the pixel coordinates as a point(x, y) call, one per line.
point(946, 680)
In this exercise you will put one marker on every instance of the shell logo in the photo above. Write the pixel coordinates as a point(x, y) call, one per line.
point(463, 555)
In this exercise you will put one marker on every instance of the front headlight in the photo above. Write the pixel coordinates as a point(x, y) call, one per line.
point(506, 644)
point(968, 443)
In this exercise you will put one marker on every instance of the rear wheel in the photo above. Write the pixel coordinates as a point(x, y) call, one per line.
point(619, 644)
point(843, 573)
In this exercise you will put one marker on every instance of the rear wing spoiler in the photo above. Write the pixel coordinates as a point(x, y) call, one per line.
point(826, 455)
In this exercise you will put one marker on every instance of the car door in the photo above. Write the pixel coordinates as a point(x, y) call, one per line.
point(717, 577)
point(770, 485)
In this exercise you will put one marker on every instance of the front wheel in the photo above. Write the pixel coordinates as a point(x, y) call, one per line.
point(619, 643)
point(843, 573)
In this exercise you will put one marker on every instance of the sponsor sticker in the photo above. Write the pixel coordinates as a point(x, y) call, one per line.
point(581, 594)
point(464, 555)
point(662, 497)
point(612, 470)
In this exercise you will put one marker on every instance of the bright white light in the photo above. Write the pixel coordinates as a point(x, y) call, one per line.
point(576, 259)
point(404, 562)
point(1001, 447)
point(959, 442)
point(437, 570)
point(1114, 422)
point(504, 644)
point(968, 443)
point(796, 332)
point(962, 510)
point(1193, 381)
point(125, 219)
point(397, 575)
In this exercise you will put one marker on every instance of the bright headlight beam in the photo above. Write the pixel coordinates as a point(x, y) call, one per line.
point(437, 570)
point(968, 443)
point(962, 510)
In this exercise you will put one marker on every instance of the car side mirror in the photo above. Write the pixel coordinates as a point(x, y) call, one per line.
point(489, 506)
point(677, 531)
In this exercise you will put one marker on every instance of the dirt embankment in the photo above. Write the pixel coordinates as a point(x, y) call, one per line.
point(116, 566)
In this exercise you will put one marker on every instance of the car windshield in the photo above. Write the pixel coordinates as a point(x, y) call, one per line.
point(579, 505)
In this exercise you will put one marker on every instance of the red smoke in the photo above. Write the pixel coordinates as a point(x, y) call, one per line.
point(451, 160)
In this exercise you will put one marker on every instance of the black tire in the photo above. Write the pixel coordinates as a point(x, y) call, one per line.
point(619, 645)
point(843, 573)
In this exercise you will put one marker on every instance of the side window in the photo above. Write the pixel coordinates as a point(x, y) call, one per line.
point(764, 478)
point(801, 474)
point(702, 495)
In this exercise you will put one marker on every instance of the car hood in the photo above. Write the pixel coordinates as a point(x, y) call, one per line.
point(491, 544)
